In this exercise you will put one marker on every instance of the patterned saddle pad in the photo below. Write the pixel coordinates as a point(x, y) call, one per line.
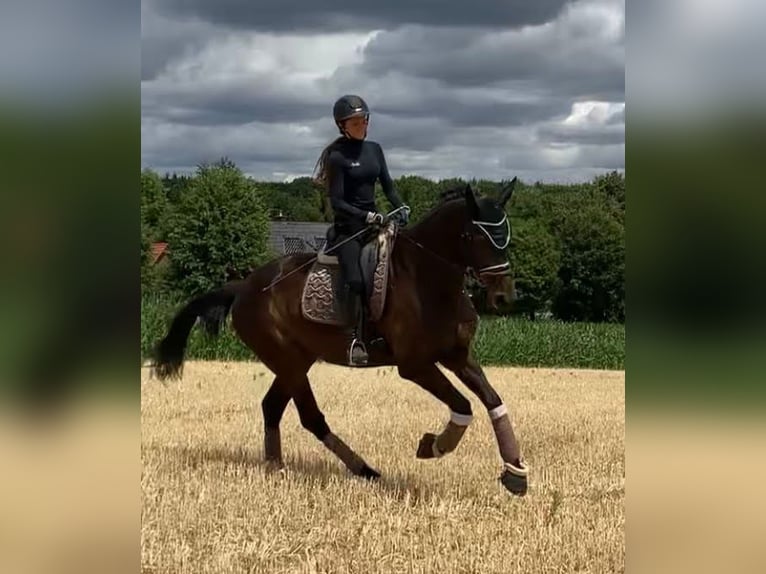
point(320, 299)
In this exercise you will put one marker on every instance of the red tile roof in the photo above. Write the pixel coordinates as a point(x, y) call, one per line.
point(158, 251)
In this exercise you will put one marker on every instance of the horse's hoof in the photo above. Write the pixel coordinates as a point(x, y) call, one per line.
point(274, 465)
point(369, 473)
point(514, 479)
point(426, 446)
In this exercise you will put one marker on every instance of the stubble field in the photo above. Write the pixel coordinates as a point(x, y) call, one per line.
point(211, 505)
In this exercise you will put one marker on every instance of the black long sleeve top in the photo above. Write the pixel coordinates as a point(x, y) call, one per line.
point(355, 166)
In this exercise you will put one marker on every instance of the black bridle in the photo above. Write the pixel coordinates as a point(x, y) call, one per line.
point(467, 236)
point(485, 226)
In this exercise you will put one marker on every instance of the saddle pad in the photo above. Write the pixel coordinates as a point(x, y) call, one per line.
point(319, 302)
point(380, 276)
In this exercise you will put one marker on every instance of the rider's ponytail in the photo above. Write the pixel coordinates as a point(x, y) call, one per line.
point(322, 168)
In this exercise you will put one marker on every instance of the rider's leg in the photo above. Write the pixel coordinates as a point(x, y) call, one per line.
point(348, 256)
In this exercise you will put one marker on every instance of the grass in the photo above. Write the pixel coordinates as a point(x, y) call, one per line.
point(499, 341)
point(523, 343)
point(210, 505)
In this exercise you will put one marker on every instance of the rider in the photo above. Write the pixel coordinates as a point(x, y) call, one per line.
point(348, 168)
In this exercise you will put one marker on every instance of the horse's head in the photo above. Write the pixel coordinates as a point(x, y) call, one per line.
point(485, 239)
point(473, 234)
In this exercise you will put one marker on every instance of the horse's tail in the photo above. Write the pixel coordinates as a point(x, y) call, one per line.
point(211, 309)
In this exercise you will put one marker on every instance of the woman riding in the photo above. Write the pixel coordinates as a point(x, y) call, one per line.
point(348, 168)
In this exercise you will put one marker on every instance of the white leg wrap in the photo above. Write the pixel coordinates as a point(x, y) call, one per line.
point(522, 470)
point(460, 420)
point(498, 412)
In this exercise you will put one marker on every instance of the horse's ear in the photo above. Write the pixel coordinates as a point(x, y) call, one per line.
point(470, 199)
point(506, 194)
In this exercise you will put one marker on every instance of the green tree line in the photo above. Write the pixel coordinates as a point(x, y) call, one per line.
point(567, 251)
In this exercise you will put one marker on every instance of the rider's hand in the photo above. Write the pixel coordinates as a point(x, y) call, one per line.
point(403, 215)
point(373, 217)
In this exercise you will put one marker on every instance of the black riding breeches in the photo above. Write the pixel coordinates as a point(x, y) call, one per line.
point(348, 257)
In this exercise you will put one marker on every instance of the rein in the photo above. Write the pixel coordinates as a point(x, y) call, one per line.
point(501, 269)
point(281, 277)
point(427, 250)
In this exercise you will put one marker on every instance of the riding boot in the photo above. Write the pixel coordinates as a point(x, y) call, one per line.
point(357, 352)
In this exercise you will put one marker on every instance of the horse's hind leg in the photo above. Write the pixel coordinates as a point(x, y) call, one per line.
point(261, 325)
point(313, 420)
point(273, 405)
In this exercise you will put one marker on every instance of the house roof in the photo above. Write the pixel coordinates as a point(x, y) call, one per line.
point(285, 237)
point(296, 236)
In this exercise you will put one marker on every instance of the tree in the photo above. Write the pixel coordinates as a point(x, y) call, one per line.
point(175, 186)
point(298, 200)
point(592, 268)
point(145, 256)
point(611, 187)
point(154, 205)
point(527, 203)
point(417, 192)
point(154, 213)
point(535, 261)
point(219, 229)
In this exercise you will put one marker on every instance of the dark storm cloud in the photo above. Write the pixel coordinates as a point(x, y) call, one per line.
point(462, 94)
point(167, 145)
point(405, 96)
point(604, 157)
point(168, 40)
point(580, 53)
point(417, 134)
point(338, 15)
point(163, 42)
point(233, 103)
point(471, 110)
point(263, 98)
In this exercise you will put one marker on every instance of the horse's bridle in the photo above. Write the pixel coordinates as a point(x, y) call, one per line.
point(501, 268)
point(467, 235)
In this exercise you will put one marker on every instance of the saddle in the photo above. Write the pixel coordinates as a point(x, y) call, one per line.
point(321, 300)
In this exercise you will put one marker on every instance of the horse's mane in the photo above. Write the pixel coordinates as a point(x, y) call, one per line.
point(450, 194)
point(446, 196)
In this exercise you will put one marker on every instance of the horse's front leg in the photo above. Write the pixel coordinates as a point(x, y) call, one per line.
point(431, 379)
point(514, 476)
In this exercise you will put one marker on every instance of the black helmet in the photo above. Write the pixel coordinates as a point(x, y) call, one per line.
point(348, 107)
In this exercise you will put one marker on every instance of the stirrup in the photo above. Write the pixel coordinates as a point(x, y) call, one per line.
point(362, 356)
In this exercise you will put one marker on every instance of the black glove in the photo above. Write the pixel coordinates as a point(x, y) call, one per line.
point(403, 215)
point(373, 217)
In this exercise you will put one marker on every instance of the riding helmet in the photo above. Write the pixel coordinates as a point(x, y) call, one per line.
point(349, 106)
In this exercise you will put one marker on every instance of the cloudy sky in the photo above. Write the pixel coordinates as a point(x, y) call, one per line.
point(488, 88)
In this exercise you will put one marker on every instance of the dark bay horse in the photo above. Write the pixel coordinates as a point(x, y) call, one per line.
point(427, 319)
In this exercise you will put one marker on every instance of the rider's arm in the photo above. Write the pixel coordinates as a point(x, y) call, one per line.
point(386, 182)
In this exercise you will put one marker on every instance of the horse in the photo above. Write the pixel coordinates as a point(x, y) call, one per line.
point(427, 319)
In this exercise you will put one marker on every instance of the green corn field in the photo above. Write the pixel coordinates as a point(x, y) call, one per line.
point(499, 341)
